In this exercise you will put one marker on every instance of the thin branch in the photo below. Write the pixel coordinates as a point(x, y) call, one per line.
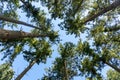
point(17, 22)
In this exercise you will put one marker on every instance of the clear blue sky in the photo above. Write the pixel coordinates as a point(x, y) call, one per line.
point(37, 71)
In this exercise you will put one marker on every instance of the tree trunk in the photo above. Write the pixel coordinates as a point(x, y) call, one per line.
point(17, 22)
point(65, 71)
point(110, 7)
point(114, 67)
point(11, 35)
point(25, 70)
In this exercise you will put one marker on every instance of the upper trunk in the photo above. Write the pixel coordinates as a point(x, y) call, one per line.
point(25, 71)
point(110, 7)
point(65, 71)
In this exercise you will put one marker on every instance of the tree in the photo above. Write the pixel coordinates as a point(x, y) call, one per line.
point(13, 42)
point(37, 54)
point(113, 75)
point(95, 19)
point(6, 72)
point(98, 19)
point(64, 67)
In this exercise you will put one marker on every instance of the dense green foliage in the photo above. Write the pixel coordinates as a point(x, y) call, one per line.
point(98, 20)
point(64, 67)
point(113, 75)
point(6, 72)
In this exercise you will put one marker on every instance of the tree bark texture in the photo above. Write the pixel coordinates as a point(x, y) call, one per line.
point(11, 35)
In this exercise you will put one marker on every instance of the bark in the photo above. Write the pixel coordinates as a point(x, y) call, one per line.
point(114, 67)
point(16, 21)
point(65, 71)
point(11, 35)
point(25, 70)
point(110, 7)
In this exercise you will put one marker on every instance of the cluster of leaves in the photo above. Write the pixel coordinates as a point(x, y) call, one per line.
point(64, 67)
point(112, 75)
point(6, 73)
point(38, 49)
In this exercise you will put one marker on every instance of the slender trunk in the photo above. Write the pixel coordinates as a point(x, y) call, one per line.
point(110, 7)
point(17, 22)
point(65, 71)
point(114, 67)
point(109, 64)
point(25, 70)
point(11, 35)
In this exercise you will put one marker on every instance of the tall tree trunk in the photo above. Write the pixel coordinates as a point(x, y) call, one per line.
point(110, 7)
point(65, 71)
point(25, 70)
point(11, 35)
point(17, 22)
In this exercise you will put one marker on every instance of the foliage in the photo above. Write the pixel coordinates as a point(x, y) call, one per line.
point(98, 19)
point(38, 49)
point(6, 73)
point(113, 75)
point(15, 47)
point(64, 67)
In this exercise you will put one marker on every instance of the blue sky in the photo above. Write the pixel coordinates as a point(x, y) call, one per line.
point(37, 71)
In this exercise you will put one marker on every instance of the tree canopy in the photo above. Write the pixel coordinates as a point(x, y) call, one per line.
point(6, 72)
point(113, 75)
point(97, 20)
